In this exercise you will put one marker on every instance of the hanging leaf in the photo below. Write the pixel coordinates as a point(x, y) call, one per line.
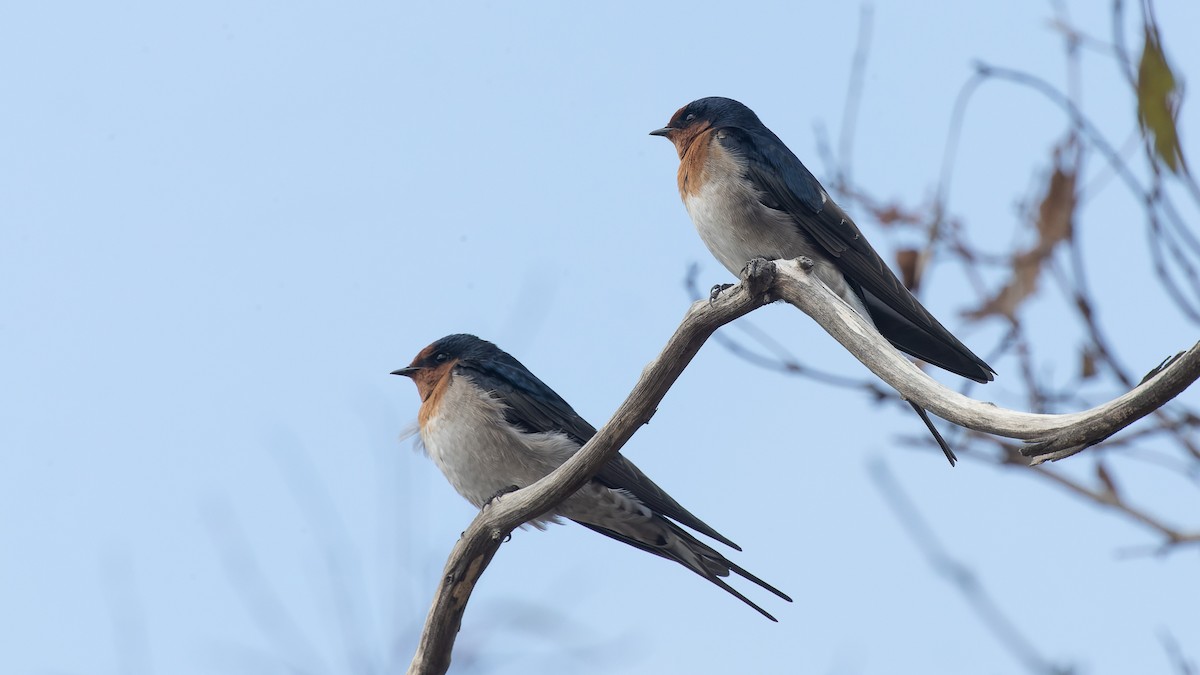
point(1087, 365)
point(1055, 213)
point(1158, 100)
point(906, 260)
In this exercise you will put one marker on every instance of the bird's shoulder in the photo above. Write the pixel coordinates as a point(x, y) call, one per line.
point(775, 168)
point(529, 404)
point(785, 184)
point(532, 406)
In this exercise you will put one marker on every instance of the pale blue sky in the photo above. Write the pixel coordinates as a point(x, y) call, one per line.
point(225, 222)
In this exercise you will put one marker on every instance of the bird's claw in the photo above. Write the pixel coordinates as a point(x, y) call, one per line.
point(758, 275)
point(754, 267)
point(716, 291)
point(806, 263)
point(500, 493)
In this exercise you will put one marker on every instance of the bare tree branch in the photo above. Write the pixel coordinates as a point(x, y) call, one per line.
point(1007, 631)
point(1179, 661)
point(1109, 497)
point(1056, 435)
point(1052, 436)
point(1102, 491)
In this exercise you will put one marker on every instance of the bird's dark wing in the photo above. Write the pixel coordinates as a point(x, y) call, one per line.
point(712, 559)
point(534, 407)
point(785, 184)
point(622, 474)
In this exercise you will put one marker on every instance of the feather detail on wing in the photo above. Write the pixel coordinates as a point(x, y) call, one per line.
point(785, 184)
point(534, 407)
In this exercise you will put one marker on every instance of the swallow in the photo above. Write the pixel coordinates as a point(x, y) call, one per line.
point(750, 197)
point(491, 427)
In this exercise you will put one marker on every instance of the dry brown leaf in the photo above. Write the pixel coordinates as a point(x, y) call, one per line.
point(1055, 214)
point(1087, 365)
point(893, 214)
point(906, 260)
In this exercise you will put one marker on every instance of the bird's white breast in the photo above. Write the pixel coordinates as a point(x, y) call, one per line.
point(732, 221)
point(736, 227)
point(479, 452)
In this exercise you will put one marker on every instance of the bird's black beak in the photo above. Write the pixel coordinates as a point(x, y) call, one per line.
point(407, 372)
point(665, 132)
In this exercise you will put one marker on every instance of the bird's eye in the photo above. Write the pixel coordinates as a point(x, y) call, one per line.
point(441, 356)
point(690, 117)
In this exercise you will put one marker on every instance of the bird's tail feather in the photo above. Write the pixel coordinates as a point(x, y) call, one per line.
point(684, 548)
point(932, 344)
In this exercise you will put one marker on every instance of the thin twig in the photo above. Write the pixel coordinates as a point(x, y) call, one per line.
point(1007, 631)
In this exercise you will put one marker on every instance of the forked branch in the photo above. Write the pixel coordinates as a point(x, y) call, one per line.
point(1052, 436)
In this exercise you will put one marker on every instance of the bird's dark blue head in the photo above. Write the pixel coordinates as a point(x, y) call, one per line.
point(452, 348)
point(702, 114)
point(465, 353)
point(459, 346)
point(434, 362)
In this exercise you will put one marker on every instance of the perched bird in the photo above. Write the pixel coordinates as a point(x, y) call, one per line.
point(750, 197)
point(491, 426)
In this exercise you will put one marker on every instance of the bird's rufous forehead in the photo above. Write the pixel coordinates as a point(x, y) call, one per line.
point(678, 116)
point(424, 354)
point(431, 374)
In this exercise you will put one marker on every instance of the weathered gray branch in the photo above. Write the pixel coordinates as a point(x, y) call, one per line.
point(1053, 436)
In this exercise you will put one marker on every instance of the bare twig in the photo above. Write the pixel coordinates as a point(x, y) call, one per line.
point(858, 69)
point(1110, 498)
point(1007, 631)
point(1179, 661)
point(1105, 494)
point(1154, 198)
point(267, 609)
point(128, 615)
point(1052, 436)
